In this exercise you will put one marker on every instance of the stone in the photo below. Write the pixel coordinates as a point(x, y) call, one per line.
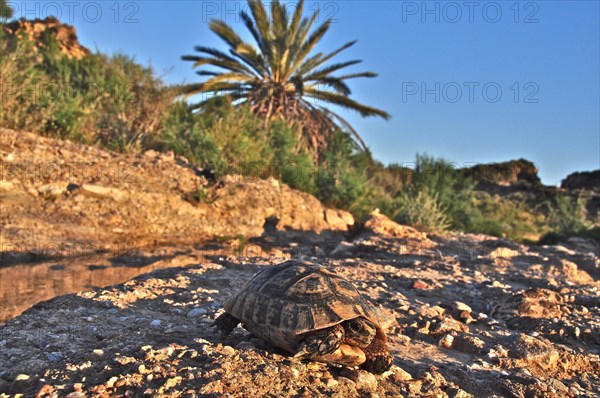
point(52, 190)
point(398, 374)
point(365, 381)
point(197, 312)
point(97, 191)
point(468, 344)
point(6, 186)
point(504, 252)
point(460, 306)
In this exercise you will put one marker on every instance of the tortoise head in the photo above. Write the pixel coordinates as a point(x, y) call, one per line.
point(359, 332)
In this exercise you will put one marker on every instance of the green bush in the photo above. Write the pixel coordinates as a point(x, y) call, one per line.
point(444, 190)
point(508, 218)
point(566, 215)
point(422, 209)
point(343, 178)
point(229, 140)
point(22, 105)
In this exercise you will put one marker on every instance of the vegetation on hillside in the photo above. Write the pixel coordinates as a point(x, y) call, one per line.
point(107, 100)
point(6, 12)
point(115, 103)
point(281, 78)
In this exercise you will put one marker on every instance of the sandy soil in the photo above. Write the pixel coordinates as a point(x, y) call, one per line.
point(467, 315)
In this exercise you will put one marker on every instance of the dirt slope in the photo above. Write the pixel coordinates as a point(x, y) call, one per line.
point(61, 198)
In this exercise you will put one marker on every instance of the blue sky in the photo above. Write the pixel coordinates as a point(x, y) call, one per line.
point(473, 82)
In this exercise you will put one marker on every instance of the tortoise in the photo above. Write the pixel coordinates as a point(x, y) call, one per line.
point(311, 312)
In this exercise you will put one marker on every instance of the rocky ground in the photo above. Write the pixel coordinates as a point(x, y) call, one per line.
point(467, 315)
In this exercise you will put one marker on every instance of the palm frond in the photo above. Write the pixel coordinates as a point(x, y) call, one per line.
point(345, 102)
point(280, 75)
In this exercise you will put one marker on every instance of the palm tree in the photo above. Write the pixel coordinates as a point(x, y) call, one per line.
point(279, 77)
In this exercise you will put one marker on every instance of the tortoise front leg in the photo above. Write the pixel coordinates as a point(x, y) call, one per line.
point(378, 357)
point(320, 342)
point(226, 322)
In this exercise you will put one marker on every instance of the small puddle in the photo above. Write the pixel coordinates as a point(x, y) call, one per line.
point(25, 284)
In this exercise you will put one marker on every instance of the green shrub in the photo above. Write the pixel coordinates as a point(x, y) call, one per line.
point(566, 215)
point(22, 105)
point(231, 140)
point(508, 218)
point(445, 190)
point(343, 179)
point(422, 209)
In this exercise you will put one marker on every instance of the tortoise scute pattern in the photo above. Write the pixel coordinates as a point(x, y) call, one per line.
point(287, 303)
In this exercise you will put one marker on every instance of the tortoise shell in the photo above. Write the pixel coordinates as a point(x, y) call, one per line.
point(284, 301)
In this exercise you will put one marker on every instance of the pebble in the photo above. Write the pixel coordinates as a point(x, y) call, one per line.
point(398, 374)
point(228, 350)
point(98, 352)
point(245, 345)
point(75, 394)
point(365, 381)
point(446, 341)
point(460, 306)
point(51, 190)
point(113, 311)
point(54, 356)
point(421, 285)
point(155, 323)
point(330, 383)
point(196, 312)
point(111, 382)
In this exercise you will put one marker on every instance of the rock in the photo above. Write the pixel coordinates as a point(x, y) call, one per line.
point(530, 350)
point(228, 350)
point(330, 383)
point(446, 341)
point(97, 191)
point(155, 323)
point(421, 285)
point(447, 324)
point(52, 190)
point(380, 224)
point(338, 219)
point(460, 306)
point(365, 381)
point(589, 180)
point(54, 356)
point(398, 374)
point(76, 394)
point(468, 344)
point(504, 252)
point(6, 186)
point(197, 312)
point(39, 30)
point(505, 173)
point(245, 345)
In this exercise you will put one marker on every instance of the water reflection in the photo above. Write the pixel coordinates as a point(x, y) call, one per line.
point(22, 285)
